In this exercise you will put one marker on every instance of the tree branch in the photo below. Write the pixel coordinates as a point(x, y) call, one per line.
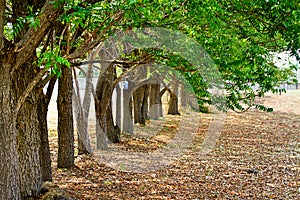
point(87, 47)
point(2, 16)
point(117, 62)
point(34, 35)
point(28, 90)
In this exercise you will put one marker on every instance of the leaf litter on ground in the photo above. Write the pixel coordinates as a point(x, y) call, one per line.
point(256, 157)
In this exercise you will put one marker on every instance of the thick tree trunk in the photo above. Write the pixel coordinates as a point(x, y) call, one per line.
point(9, 179)
point(28, 148)
point(65, 120)
point(154, 101)
point(28, 132)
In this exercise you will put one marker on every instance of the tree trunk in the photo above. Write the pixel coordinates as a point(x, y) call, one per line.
point(173, 101)
point(140, 104)
point(182, 96)
point(161, 93)
point(145, 104)
point(65, 120)
point(113, 132)
point(137, 105)
point(127, 109)
point(81, 111)
point(9, 179)
point(28, 132)
point(154, 101)
point(44, 151)
point(118, 107)
point(104, 91)
point(45, 157)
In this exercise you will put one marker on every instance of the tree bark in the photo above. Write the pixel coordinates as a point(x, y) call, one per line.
point(161, 93)
point(65, 120)
point(137, 105)
point(118, 107)
point(81, 111)
point(145, 102)
point(9, 179)
point(182, 96)
point(104, 91)
point(154, 111)
point(127, 109)
point(45, 157)
point(113, 131)
point(140, 104)
point(28, 131)
point(173, 101)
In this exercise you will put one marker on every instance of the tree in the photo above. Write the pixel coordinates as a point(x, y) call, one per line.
point(44, 151)
point(65, 128)
point(173, 101)
point(154, 99)
point(16, 176)
point(239, 36)
point(81, 110)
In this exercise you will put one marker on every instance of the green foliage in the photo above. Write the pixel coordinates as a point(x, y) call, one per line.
point(239, 36)
point(53, 62)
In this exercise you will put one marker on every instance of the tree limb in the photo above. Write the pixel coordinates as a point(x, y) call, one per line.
point(34, 35)
point(117, 62)
point(2, 16)
point(28, 90)
point(87, 47)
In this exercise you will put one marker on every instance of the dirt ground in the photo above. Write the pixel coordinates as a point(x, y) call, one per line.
point(256, 155)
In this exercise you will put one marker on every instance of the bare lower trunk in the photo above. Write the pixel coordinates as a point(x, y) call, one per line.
point(118, 107)
point(113, 132)
point(9, 179)
point(182, 96)
point(84, 145)
point(101, 136)
point(159, 100)
point(154, 101)
point(145, 103)
point(65, 120)
point(127, 109)
point(28, 133)
point(45, 159)
point(28, 149)
point(137, 105)
point(173, 104)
